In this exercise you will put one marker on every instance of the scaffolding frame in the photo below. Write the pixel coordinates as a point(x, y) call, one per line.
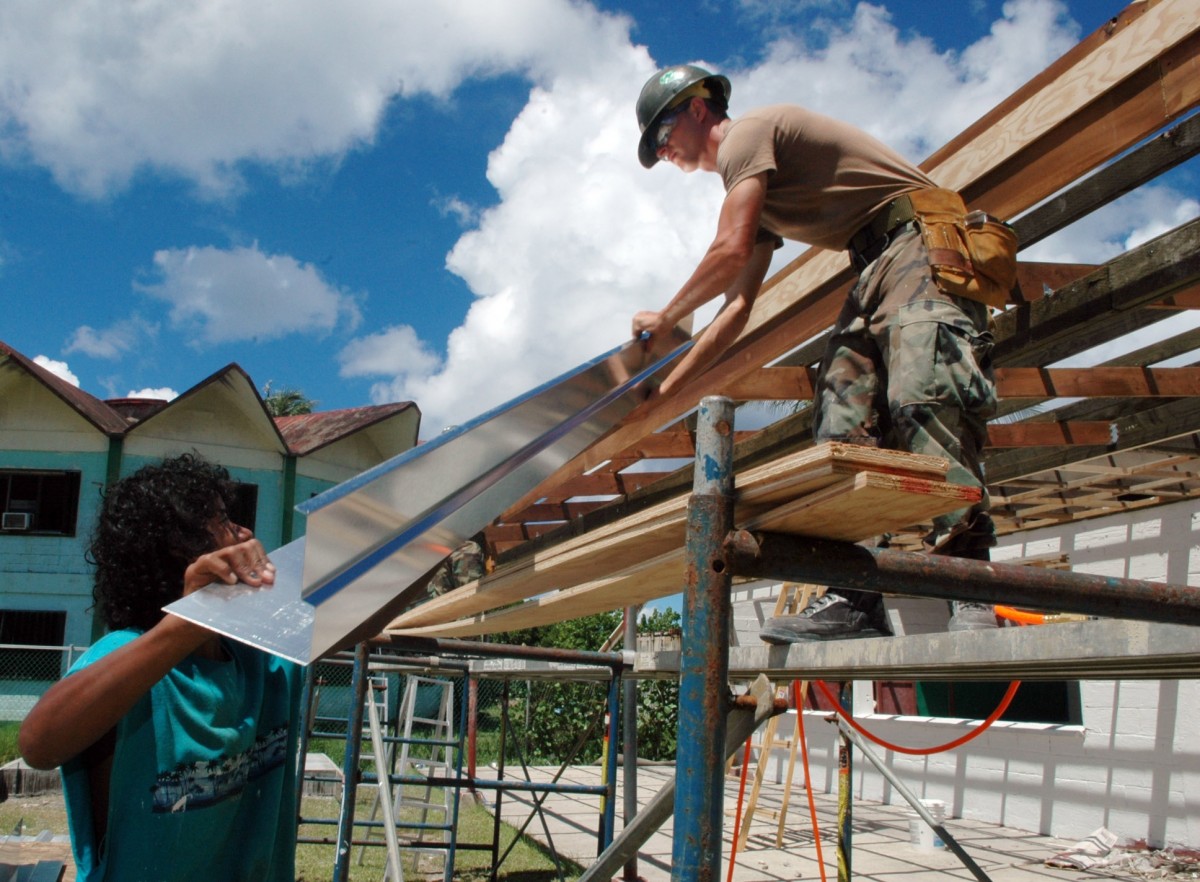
point(716, 552)
point(456, 658)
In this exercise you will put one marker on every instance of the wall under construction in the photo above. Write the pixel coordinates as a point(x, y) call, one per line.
point(1132, 761)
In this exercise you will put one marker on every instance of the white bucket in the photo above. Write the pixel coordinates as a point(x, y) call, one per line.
point(920, 834)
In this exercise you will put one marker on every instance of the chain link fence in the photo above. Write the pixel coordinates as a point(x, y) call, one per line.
point(537, 721)
point(26, 672)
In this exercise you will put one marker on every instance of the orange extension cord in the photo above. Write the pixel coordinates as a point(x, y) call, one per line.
point(845, 715)
point(737, 820)
point(1020, 616)
point(921, 751)
point(812, 803)
point(1016, 615)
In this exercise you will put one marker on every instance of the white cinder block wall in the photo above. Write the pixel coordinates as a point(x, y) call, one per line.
point(1134, 764)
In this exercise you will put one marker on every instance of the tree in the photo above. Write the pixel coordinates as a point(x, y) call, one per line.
point(559, 711)
point(658, 700)
point(286, 402)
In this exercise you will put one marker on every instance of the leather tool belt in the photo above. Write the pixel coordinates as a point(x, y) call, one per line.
point(972, 255)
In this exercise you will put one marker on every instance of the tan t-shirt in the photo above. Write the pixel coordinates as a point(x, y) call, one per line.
point(825, 179)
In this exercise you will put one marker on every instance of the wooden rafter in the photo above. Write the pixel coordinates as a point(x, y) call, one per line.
point(1119, 86)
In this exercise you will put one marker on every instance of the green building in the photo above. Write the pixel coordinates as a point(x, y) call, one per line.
point(60, 447)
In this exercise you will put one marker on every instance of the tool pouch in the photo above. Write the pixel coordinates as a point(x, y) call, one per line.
point(971, 255)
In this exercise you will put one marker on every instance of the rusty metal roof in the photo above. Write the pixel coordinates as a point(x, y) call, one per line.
point(305, 433)
point(92, 409)
point(301, 434)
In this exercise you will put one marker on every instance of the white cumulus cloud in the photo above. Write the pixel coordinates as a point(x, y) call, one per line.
point(161, 394)
point(99, 91)
point(227, 295)
point(58, 368)
point(582, 237)
point(397, 351)
point(112, 342)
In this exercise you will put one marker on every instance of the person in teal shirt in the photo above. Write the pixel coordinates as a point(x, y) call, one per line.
point(178, 747)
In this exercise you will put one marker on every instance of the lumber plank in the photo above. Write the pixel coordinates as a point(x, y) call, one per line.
point(865, 505)
point(1123, 51)
point(772, 384)
point(1036, 279)
point(654, 531)
point(805, 471)
point(1152, 97)
point(658, 577)
point(660, 528)
point(1094, 382)
point(852, 508)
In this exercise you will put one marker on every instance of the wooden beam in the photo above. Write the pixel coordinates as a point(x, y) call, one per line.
point(1149, 98)
point(1127, 173)
point(1072, 63)
point(1102, 305)
point(773, 384)
point(1049, 434)
point(1017, 382)
point(1036, 280)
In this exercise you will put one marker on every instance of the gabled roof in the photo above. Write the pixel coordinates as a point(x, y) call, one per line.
point(299, 435)
point(308, 432)
point(242, 394)
point(92, 409)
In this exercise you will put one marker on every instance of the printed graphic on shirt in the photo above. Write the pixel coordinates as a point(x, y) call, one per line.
point(205, 782)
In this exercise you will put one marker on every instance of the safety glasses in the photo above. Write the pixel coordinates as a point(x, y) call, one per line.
point(667, 124)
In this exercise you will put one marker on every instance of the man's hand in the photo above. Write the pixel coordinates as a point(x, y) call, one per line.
point(650, 322)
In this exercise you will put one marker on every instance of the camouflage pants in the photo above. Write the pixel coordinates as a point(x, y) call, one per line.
point(909, 368)
point(465, 564)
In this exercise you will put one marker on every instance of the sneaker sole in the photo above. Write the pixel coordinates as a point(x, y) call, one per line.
point(776, 639)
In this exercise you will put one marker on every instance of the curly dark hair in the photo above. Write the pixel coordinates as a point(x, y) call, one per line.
point(152, 525)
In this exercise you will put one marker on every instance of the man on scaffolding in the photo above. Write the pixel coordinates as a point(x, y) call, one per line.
point(908, 365)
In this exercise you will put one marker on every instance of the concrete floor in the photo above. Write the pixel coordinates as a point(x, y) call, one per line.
point(882, 842)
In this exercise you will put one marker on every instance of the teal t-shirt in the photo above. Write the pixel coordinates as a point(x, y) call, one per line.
point(203, 780)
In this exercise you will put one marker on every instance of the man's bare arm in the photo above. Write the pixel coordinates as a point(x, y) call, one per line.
point(728, 324)
point(724, 262)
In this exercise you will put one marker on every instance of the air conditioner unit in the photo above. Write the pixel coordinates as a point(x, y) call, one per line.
point(16, 520)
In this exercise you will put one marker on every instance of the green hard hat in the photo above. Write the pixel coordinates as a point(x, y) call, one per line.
point(658, 94)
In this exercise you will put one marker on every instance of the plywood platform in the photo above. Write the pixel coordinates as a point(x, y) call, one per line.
point(832, 491)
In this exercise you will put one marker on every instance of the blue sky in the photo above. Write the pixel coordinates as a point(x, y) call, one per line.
point(381, 200)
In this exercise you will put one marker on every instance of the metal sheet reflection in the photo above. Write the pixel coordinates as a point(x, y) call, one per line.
point(371, 537)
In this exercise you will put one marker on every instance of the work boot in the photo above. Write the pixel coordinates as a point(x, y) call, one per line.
point(829, 617)
point(971, 616)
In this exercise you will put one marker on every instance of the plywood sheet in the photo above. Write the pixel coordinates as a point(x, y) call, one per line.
point(826, 494)
point(660, 528)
